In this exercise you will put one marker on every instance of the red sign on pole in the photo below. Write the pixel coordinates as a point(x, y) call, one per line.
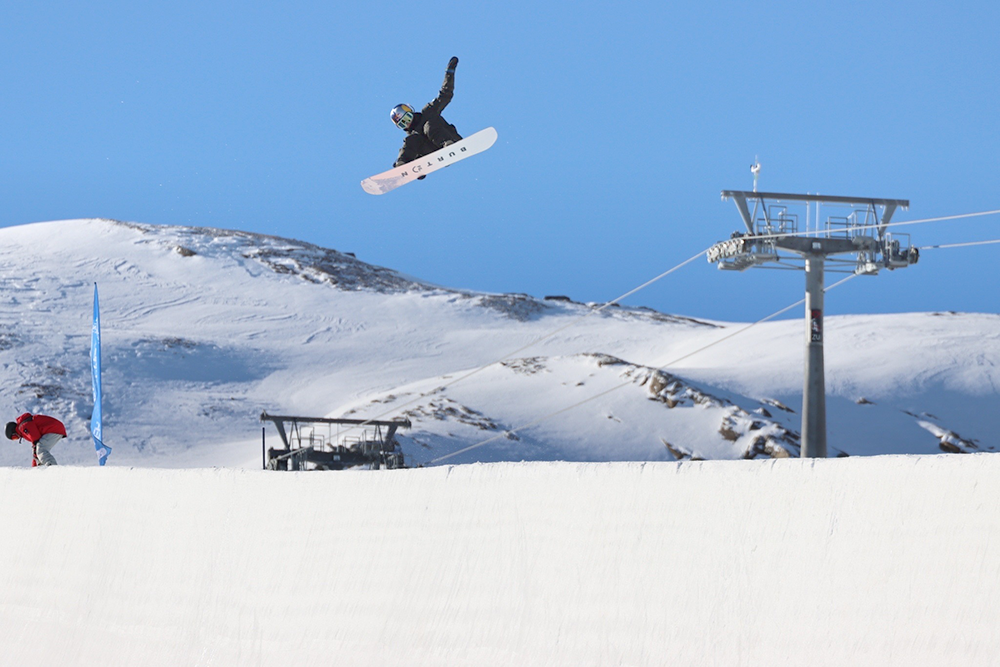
point(816, 326)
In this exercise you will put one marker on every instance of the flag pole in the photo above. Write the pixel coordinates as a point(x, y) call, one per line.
point(96, 418)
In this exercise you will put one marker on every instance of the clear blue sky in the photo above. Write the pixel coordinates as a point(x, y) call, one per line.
point(619, 125)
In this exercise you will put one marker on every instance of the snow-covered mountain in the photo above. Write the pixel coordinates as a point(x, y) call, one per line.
point(203, 329)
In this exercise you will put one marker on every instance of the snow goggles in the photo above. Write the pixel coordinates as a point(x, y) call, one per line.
point(404, 121)
point(402, 116)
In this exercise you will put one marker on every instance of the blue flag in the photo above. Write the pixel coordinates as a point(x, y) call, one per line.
point(95, 371)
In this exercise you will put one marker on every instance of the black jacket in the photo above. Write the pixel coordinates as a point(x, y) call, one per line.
point(429, 131)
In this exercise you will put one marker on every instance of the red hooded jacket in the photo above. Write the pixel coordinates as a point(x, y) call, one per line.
point(32, 428)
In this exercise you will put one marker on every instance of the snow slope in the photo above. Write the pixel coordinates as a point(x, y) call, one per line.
point(204, 329)
point(598, 550)
point(862, 561)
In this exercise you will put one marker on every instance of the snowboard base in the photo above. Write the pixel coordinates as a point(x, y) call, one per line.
point(444, 157)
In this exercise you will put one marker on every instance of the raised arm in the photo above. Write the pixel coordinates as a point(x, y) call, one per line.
point(447, 90)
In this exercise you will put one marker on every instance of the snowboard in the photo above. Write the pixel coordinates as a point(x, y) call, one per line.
point(449, 155)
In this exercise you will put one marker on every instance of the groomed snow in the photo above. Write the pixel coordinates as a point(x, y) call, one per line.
point(863, 561)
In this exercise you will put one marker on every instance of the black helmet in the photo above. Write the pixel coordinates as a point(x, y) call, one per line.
point(11, 430)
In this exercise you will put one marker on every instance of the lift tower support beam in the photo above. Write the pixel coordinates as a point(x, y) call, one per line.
point(772, 233)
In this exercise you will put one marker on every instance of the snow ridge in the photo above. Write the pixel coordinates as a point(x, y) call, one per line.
point(204, 329)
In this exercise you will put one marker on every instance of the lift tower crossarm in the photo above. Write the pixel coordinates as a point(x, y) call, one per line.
point(326, 420)
point(826, 199)
point(741, 197)
point(279, 422)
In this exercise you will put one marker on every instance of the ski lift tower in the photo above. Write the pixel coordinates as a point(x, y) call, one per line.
point(785, 231)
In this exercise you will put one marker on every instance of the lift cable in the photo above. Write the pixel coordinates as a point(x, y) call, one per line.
point(615, 301)
point(534, 342)
point(958, 245)
point(815, 232)
point(672, 362)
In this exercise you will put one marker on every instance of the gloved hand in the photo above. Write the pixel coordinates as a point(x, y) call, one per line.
point(452, 64)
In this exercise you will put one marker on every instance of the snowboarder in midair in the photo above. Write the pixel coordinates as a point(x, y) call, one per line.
point(42, 431)
point(426, 131)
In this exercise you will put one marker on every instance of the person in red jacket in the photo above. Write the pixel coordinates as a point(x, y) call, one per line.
point(42, 431)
